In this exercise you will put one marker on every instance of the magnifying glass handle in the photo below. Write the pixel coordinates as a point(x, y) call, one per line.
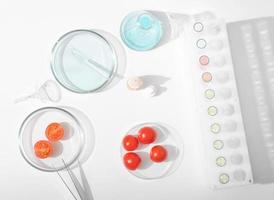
point(25, 98)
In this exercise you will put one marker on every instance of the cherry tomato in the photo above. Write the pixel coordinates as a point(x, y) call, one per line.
point(147, 135)
point(43, 149)
point(55, 132)
point(132, 161)
point(130, 143)
point(158, 153)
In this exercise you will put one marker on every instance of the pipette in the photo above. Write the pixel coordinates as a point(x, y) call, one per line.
point(97, 67)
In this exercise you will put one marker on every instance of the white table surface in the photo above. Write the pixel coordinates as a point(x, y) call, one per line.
point(29, 29)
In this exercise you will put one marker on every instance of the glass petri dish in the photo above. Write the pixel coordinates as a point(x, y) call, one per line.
point(167, 137)
point(68, 149)
point(83, 61)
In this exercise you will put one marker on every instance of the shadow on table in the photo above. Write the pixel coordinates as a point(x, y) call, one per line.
point(79, 186)
point(157, 81)
point(255, 88)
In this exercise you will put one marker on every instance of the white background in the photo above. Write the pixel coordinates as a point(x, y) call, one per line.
point(29, 29)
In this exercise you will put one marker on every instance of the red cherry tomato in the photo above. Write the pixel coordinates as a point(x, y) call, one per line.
point(55, 132)
point(130, 143)
point(43, 149)
point(146, 135)
point(158, 153)
point(132, 161)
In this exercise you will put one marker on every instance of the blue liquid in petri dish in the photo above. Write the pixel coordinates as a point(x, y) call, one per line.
point(83, 61)
point(141, 31)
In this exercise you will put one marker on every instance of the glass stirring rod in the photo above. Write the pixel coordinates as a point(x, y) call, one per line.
point(100, 69)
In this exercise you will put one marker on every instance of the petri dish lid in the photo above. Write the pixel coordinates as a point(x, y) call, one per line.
point(83, 61)
point(141, 30)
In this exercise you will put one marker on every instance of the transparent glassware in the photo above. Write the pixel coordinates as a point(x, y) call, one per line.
point(48, 91)
point(166, 136)
point(148, 29)
point(85, 61)
point(69, 149)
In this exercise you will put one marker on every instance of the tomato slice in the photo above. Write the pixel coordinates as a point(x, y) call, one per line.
point(55, 132)
point(130, 143)
point(132, 160)
point(158, 153)
point(43, 149)
point(147, 135)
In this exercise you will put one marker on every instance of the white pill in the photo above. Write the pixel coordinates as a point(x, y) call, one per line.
point(233, 143)
point(239, 175)
point(135, 83)
point(150, 91)
point(236, 159)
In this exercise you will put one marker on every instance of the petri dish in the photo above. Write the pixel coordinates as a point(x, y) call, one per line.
point(69, 149)
point(83, 61)
point(167, 137)
point(141, 30)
